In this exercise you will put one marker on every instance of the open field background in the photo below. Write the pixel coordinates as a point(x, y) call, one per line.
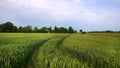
point(35, 50)
point(106, 34)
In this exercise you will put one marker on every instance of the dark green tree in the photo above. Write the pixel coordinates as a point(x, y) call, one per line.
point(49, 29)
point(20, 29)
point(1, 28)
point(27, 29)
point(14, 29)
point(109, 31)
point(81, 30)
point(70, 30)
point(61, 30)
point(9, 27)
point(35, 30)
point(55, 29)
point(43, 30)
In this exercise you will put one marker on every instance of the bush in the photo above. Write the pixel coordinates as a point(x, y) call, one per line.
point(83, 33)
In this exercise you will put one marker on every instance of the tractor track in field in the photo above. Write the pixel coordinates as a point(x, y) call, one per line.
point(38, 45)
point(37, 50)
point(60, 42)
point(67, 52)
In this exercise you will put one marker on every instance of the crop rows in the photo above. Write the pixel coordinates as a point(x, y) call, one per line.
point(96, 51)
point(59, 51)
point(50, 56)
point(16, 50)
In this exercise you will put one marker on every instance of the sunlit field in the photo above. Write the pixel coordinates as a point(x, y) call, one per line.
point(97, 51)
point(107, 34)
point(50, 50)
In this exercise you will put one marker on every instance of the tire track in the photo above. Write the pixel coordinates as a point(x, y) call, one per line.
point(66, 52)
point(44, 55)
point(37, 46)
point(60, 42)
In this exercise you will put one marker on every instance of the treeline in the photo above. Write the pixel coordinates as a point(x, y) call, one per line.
point(10, 27)
point(107, 31)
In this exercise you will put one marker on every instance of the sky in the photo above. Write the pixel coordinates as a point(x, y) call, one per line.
point(89, 15)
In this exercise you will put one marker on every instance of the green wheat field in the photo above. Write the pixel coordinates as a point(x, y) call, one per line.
point(50, 50)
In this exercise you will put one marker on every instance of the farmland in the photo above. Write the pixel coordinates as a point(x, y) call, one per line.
point(35, 50)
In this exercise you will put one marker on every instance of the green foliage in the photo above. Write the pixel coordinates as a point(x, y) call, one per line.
point(55, 29)
point(1, 28)
point(20, 29)
point(36, 30)
point(70, 30)
point(81, 30)
point(26, 29)
point(43, 30)
point(62, 30)
point(8, 27)
point(50, 29)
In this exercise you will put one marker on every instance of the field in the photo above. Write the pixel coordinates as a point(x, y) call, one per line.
point(35, 50)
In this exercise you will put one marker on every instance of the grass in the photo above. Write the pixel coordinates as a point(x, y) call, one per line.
point(51, 56)
point(106, 34)
point(17, 49)
point(97, 51)
point(35, 50)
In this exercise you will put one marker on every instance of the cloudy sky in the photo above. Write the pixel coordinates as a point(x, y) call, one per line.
point(88, 15)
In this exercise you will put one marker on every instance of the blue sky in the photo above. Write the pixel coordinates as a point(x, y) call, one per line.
point(88, 15)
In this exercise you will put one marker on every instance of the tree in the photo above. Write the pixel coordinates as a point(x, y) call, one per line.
point(14, 29)
point(1, 28)
point(43, 30)
point(49, 29)
point(20, 29)
point(81, 30)
point(55, 29)
point(70, 30)
point(26, 29)
point(36, 30)
point(8, 27)
point(109, 31)
point(62, 30)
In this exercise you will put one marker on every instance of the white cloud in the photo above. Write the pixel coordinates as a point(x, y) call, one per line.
point(60, 10)
point(117, 1)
